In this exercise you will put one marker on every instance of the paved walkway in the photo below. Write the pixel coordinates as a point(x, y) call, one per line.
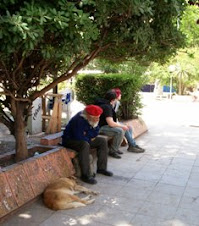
point(159, 187)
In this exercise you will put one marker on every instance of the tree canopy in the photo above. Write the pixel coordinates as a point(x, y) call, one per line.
point(46, 38)
point(185, 63)
point(189, 25)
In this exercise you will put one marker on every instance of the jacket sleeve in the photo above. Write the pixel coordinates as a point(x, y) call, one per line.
point(81, 130)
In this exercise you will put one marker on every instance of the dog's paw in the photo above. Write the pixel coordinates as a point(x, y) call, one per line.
point(95, 192)
point(89, 196)
point(90, 201)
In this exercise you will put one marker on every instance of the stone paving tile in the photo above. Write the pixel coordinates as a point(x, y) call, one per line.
point(169, 189)
point(196, 163)
point(135, 193)
point(114, 216)
point(187, 216)
point(115, 180)
point(174, 180)
point(104, 188)
point(190, 202)
point(60, 219)
point(165, 199)
point(141, 184)
point(190, 199)
point(130, 204)
point(184, 161)
point(149, 175)
point(142, 220)
point(157, 160)
point(126, 172)
point(162, 211)
point(30, 215)
point(195, 169)
point(175, 177)
point(194, 180)
point(191, 192)
point(178, 171)
point(82, 211)
point(187, 154)
point(180, 168)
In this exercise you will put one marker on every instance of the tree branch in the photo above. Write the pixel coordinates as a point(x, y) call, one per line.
point(68, 74)
point(28, 83)
point(19, 66)
point(15, 98)
point(8, 76)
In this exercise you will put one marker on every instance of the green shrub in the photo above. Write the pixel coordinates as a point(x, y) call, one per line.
point(92, 86)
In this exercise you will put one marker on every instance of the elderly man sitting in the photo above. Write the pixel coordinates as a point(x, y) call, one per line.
point(80, 134)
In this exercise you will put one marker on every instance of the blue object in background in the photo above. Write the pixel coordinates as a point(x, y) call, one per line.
point(65, 100)
point(147, 88)
point(167, 89)
point(50, 104)
point(68, 98)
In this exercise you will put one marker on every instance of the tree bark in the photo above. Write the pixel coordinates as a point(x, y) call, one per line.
point(20, 135)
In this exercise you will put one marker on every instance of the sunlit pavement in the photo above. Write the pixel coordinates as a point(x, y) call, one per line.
point(158, 187)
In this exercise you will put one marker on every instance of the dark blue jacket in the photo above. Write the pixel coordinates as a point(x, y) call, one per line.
point(78, 128)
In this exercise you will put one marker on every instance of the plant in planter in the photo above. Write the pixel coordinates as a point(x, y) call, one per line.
point(129, 84)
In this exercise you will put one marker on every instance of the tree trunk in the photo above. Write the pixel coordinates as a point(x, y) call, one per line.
point(20, 135)
point(180, 85)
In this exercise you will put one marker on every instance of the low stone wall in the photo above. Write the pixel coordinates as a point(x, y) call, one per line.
point(138, 125)
point(23, 181)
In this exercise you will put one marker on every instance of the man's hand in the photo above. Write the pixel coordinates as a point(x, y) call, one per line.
point(124, 127)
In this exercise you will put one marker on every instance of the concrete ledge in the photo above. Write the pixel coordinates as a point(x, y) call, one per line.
point(51, 139)
point(138, 125)
point(22, 182)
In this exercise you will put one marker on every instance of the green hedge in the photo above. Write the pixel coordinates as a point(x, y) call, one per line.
point(92, 86)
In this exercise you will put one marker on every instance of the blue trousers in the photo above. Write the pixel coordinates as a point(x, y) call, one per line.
point(118, 134)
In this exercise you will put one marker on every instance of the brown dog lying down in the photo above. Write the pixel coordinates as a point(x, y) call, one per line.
point(61, 195)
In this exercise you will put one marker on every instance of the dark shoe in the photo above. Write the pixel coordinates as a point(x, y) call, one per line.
point(119, 152)
point(139, 147)
point(105, 172)
point(135, 149)
point(89, 180)
point(114, 155)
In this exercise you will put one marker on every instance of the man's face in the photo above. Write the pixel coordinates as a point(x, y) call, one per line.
point(93, 120)
point(119, 97)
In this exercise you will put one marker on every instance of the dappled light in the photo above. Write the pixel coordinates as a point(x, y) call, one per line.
point(71, 222)
point(25, 216)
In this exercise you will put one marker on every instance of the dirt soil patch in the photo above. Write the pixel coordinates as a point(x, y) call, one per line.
point(8, 158)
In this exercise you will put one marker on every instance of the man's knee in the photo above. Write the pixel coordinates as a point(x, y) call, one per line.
point(120, 132)
point(85, 146)
point(102, 141)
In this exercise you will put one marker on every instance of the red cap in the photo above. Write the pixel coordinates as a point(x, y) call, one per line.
point(117, 91)
point(93, 110)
